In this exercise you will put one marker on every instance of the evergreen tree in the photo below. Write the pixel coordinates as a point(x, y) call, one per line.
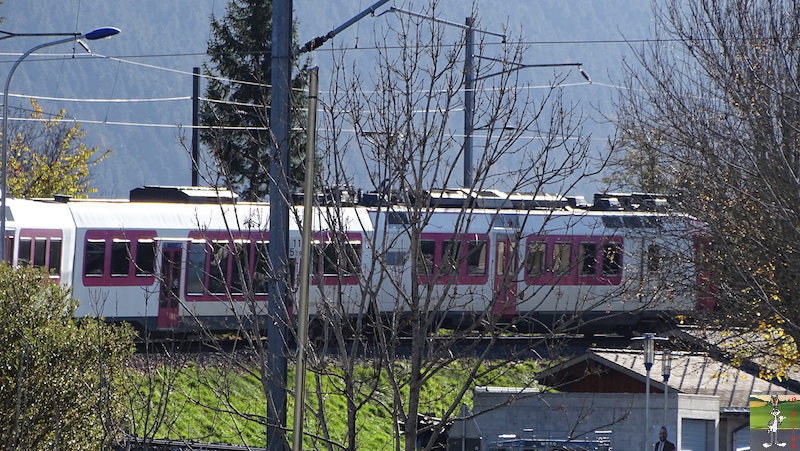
point(237, 118)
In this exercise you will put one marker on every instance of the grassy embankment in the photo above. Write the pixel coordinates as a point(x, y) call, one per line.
point(202, 398)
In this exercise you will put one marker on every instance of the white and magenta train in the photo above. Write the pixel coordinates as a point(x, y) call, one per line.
point(170, 258)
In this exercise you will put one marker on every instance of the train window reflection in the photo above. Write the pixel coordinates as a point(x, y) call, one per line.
point(396, 258)
point(217, 268)
point(24, 258)
point(54, 263)
point(261, 272)
point(40, 253)
point(476, 258)
point(240, 267)
point(535, 259)
point(561, 258)
point(588, 262)
point(94, 258)
point(352, 256)
point(654, 257)
point(145, 257)
point(120, 258)
point(195, 275)
point(427, 248)
point(612, 259)
point(451, 253)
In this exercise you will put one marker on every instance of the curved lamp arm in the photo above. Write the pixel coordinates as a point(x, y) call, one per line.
point(99, 33)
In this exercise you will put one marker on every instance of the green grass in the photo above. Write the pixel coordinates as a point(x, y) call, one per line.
point(227, 405)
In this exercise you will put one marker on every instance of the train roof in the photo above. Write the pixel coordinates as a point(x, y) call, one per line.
point(435, 198)
point(193, 208)
point(123, 214)
point(496, 199)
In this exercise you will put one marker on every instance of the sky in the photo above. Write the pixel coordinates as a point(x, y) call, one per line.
point(133, 94)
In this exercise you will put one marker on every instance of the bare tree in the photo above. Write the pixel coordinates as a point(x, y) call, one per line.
point(710, 112)
point(389, 277)
point(398, 123)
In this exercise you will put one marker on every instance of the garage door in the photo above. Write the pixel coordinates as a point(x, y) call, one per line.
point(693, 435)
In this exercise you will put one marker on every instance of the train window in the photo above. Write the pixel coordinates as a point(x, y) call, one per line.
point(562, 253)
point(653, 222)
point(53, 266)
point(218, 267)
point(260, 275)
point(501, 258)
point(397, 218)
point(506, 221)
point(395, 258)
point(145, 257)
point(330, 260)
point(195, 274)
point(120, 258)
point(612, 259)
point(352, 255)
point(9, 248)
point(39, 252)
point(588, 263)
point(612, 222)
point(535, 259)
point(24, 258)
point(339, 258)
point(427, 248)
point(95, 258)
point(654, 257)
point(451, 253)
point(240, 266)
point(114, 257)
point(476, 258)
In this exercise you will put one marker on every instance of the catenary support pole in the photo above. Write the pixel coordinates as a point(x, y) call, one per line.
point(195, 125)
point(469, 99)
point(305, 260)
point(279, 120)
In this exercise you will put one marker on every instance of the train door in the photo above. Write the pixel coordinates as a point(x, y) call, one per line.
point(505, 280)
point(169, 294)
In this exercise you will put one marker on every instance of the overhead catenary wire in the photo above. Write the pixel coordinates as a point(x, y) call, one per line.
point(522, 137)
point(126, 60)
point(229, 102)
point(205, 99)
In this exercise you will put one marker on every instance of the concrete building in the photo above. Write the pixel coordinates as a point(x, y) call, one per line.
point(706, 405)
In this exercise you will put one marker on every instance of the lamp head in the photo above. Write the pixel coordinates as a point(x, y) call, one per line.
point(666, 363)
point(101, 33)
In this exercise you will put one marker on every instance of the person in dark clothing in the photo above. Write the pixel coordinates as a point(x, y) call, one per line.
point(663, 444)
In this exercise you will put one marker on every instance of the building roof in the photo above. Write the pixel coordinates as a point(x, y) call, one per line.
point(623, 371)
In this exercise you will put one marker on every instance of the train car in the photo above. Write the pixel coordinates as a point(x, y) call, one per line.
point(177, 259)
point(547, 266)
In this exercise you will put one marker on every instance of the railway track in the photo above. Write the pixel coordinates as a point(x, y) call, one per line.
point(139, 444)
point(527, 346)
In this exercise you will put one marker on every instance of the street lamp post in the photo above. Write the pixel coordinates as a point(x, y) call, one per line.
point(666, 368)
point(649, 358)
point(100, 33)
